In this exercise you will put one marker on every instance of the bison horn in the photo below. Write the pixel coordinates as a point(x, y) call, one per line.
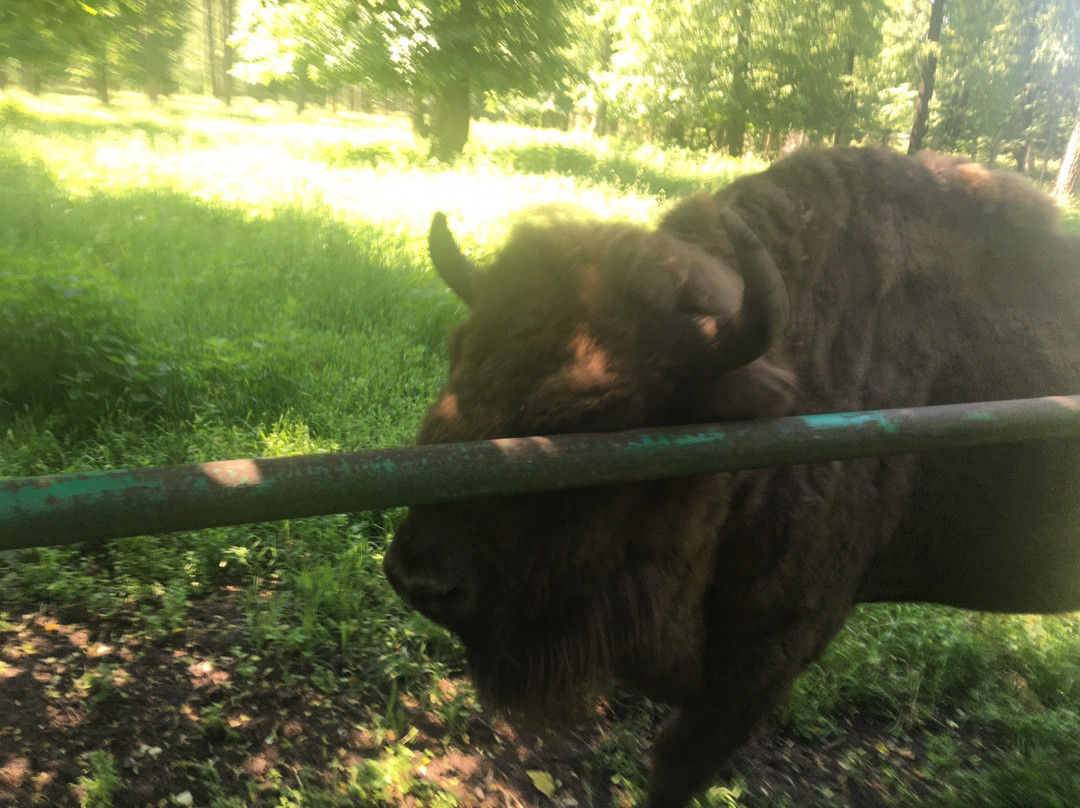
point(450, 262)
point(761, 319)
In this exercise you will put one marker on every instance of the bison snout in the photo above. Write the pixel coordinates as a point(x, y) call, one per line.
point(434, 590)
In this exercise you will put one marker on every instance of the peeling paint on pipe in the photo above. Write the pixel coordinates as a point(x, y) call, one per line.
point(63, 509)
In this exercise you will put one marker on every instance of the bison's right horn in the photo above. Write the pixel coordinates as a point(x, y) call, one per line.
point(761, 319)
point(450, 262)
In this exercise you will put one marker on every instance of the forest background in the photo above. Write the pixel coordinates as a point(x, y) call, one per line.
point(995, 79)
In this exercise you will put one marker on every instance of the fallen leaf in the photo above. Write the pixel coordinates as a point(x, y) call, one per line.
point(543, 781)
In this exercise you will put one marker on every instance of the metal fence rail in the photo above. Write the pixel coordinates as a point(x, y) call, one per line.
point(49, 510)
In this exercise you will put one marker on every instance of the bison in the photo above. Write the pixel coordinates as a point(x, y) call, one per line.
point(836, 280)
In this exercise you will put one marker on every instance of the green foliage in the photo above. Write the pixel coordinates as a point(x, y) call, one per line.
point(70, 339)
point(1043, 779)
point(100, 782)
point(1070, 217)
point(416, 45)
point(139, 39)
point(1007, 72)
point(391, 777)
point(147, 41)
point(12, 113)
point(40, 34)
point(685, 72)
point(294, 42)
point(892, 661)
point(500, 46)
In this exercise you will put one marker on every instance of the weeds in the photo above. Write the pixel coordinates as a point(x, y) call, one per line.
point(100, 781)
point(392, 777)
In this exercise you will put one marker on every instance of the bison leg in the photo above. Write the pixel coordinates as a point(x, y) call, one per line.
point(748, 679)
point(694, 745)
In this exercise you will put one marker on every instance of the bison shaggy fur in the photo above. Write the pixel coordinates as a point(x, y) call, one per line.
point(836, 280)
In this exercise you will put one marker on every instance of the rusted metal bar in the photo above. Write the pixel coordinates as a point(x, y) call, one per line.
point(39, 511)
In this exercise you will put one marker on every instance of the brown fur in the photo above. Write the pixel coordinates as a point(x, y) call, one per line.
point(911, 282)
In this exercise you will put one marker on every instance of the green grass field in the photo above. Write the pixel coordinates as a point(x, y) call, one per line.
point(188, 282)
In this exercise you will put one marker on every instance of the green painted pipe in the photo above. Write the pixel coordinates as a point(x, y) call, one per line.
point(40, 511)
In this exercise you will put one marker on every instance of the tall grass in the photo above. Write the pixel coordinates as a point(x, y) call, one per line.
point(184, 283)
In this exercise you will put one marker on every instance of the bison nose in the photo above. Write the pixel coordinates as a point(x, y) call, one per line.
point(433, 593)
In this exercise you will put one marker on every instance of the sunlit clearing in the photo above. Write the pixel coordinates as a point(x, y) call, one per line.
point(220, 155)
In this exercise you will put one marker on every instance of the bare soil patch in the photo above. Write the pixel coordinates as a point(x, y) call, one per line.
point(197, 715)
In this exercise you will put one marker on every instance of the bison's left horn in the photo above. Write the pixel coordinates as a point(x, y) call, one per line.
point(761, 319)
point(450, 262)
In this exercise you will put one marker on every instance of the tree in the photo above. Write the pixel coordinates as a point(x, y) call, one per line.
point(926, 84)
point(148, 37)
point(735, 121)
point(218, 20)
point(93, 47)
point(314, 44)
point(447, 50)
point(860, 35)
point(228, 20)
point(1070, 164)
point(457, 48)
point(41, 34)
point(732, 76)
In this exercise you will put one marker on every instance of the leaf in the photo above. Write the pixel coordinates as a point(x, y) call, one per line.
point(543, 781)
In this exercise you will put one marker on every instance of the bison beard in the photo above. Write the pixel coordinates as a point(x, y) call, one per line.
point(544, 669)
point(836, 280)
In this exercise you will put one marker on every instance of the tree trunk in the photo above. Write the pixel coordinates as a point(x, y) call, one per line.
point(301, 88)
point(1025, 152)
point(450, 120)
point(228, 19)
point(929, 70)
point(604, 123)
point(735, 127)
point(418, 115)
point(101, 77)
point(31, 79)
point(1070, 164)
point(841, 136)
point(209, 44)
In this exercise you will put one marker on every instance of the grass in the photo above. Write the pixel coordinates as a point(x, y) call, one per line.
point(184, 283)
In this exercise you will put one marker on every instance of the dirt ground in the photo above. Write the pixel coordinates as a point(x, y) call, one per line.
point(188, 719)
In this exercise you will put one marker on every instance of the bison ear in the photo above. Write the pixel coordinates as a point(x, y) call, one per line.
point(450, 262)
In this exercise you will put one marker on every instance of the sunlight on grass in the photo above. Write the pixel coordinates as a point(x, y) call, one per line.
point(227, 160)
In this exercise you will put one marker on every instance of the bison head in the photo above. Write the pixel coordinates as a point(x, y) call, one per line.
point(580, 326)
